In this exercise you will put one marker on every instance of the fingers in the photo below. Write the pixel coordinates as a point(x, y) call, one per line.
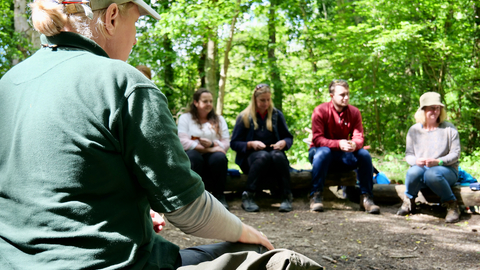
point(205, 142)
point(252, 236)
point(279, 145)
point(157, 220)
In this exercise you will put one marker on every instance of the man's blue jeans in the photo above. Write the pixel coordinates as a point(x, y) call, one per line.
point(324, 160)
point(439, 179)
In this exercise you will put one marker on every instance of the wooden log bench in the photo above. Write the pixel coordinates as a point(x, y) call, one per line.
point(390, 194)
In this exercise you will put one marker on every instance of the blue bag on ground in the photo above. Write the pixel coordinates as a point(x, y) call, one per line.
point(464, 178)
point(381, 178)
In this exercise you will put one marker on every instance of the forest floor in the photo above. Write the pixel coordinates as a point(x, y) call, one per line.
point(343, 237)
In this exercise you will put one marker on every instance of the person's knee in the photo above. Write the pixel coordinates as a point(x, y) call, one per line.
point(322, 153)
point(263, 157)
point(219, 158)
point(363, 156)
point(414, 172)
point(196, 159)
point(278, 156)
point(433, 176)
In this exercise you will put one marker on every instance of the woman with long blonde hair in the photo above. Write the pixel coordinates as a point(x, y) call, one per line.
point(260, 138)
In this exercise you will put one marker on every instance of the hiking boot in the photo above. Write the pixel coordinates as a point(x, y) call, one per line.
point(408, 207)
point(453, 211)
point(247, 202)
point(367, 204)
point(222, 200)
point(286, 205)
point(316, 202)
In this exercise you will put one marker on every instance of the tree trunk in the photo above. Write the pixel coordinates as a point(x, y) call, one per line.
point(22, 26)
point(377, 114)
point(226, 62)
point(201, 66)
point(307, 40)
point(211, 68)
point(276, 82)
point(169, 74)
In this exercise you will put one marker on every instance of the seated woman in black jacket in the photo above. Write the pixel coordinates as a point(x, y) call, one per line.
point(260, 137)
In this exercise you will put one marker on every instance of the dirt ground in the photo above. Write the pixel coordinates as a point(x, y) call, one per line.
point(343, 237)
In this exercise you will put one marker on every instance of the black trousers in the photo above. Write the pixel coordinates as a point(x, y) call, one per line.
point(212, 167)
point(199, 254)
point(270, 167)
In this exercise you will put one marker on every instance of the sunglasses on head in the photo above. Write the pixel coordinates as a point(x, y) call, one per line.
point(261, 86)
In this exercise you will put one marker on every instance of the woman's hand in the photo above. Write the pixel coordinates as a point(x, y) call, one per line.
point(206, 142)
point(421, 162)
point(158, 221)
point(431, 162)
point(279, 145)
point(216, 149)
point(256, 145)
point(252, 236)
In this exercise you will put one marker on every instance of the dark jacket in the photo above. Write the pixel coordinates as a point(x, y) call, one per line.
point(242, 135)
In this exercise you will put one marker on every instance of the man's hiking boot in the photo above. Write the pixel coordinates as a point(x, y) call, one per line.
point(367, 204)
point(316, 202)
point(453, 211)
point(247, 202)
point(286, 205)
point(221, 199)
point(408, 207)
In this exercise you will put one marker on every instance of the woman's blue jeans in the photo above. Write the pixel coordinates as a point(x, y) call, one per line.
point(439, 179)
point(325, 160)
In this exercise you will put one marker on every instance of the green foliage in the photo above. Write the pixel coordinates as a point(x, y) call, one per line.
point(10, 41)
point(391, 52)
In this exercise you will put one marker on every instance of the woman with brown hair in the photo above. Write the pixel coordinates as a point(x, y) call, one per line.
point(260, 138)
point(204, 136)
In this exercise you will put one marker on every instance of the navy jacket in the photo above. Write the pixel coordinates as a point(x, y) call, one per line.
point(242, 135)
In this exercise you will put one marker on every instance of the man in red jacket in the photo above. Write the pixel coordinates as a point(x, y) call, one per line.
point(333, 124)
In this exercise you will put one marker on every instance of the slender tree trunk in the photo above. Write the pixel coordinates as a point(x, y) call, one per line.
point(211, 68)
point(307, 40)
point(201, 67)
point(226, 63)
point(169, 59)
point(377, 114)
point(168, 72)
point(22, 26)
point(277, 84)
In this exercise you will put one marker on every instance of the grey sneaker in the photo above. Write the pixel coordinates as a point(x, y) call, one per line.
point(286, 205)
point(247, 202)
point(316, 202)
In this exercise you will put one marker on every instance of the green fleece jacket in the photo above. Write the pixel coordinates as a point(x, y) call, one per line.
point(87, 146)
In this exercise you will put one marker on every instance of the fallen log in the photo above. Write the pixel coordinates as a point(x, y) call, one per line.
point(390, 194)
point(395, 193)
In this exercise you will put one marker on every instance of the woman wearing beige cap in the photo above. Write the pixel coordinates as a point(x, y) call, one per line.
point(88, 148)
point(433, 150)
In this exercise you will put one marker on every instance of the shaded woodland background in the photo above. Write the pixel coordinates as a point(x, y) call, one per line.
point(391, 52)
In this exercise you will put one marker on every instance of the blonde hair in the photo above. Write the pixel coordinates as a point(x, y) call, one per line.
point(145, 70)
point(420, 116)
point(49, 18)
point(251, 110)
